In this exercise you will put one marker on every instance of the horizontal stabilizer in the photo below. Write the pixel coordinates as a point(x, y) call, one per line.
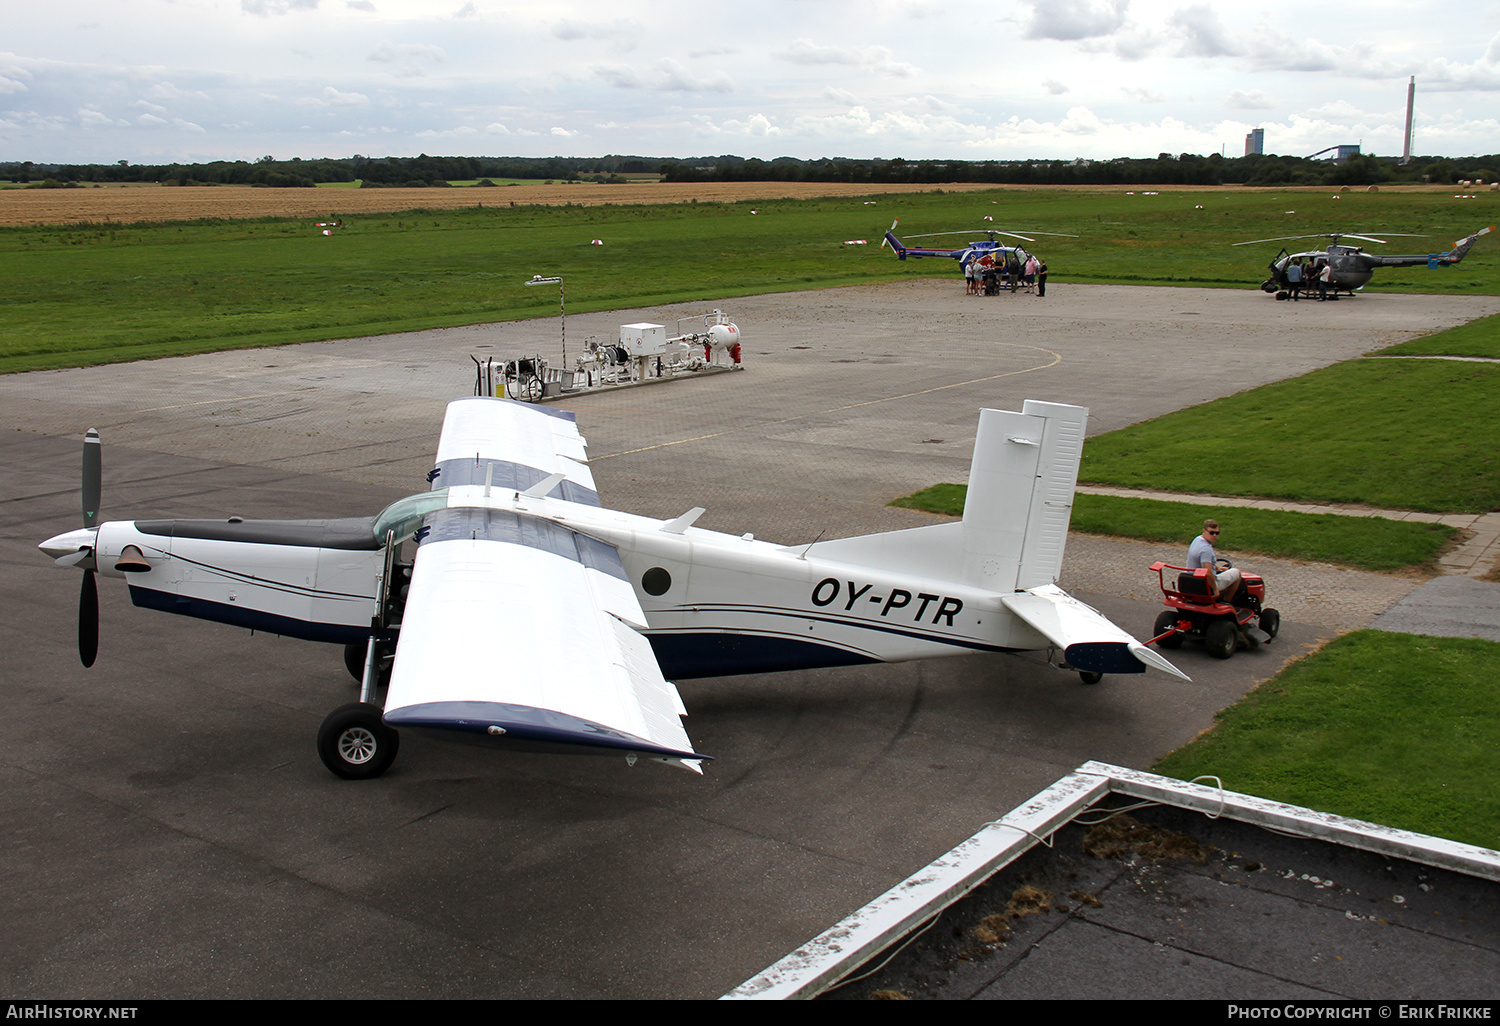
point(1087, 637)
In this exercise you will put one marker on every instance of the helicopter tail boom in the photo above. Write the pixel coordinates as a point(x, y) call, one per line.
point(1432, 260)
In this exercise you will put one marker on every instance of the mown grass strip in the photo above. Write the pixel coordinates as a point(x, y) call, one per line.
point(1397, 729)
point(1477, 338)
point(1394, 434)
point(1368, 543)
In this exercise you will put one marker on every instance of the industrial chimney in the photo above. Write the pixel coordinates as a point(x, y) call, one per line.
point(1411, 96)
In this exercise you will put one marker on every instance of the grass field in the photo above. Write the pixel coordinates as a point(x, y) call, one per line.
point(1398, 729)
point(1477, 338)
point(1368, 543)
point(77, 295)
point(1398, 434)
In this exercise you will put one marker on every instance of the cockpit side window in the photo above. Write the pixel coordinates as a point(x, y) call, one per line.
point(404, 516)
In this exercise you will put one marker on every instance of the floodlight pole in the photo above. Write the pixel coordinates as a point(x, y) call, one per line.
point(562, 305)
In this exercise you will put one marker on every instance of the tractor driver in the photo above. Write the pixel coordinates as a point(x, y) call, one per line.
point(1222, 584)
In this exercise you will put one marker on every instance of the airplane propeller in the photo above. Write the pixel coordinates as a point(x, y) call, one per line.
point(88, 596)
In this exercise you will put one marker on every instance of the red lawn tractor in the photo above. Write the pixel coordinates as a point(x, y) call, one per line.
point(1194, 613)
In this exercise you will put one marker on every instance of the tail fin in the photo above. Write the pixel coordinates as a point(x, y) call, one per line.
point(895, 243)
point(1016, 515)
point(1463, 245)
point(1020, 496)
point(1459, 251)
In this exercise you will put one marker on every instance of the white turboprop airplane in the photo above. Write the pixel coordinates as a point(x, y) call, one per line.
point(583, 613)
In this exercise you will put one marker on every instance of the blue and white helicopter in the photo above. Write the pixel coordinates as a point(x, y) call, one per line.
point(591, 610)
point(988, 254)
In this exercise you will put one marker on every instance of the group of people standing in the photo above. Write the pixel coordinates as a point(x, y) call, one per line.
point(1314, 275)
point(1009, 273)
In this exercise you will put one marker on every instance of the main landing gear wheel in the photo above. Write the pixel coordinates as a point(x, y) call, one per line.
point(1219, 639)
point(1090, 677)
point(354, 662)
point(354, 743)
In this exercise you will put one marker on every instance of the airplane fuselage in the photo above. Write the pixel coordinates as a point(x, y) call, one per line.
point(716, 604)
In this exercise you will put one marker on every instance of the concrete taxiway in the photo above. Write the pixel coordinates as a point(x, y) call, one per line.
point(171, 832)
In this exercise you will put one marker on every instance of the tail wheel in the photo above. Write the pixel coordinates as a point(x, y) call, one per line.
point(1164, 622)
point(354, 743)
point(1270, 622)
point(1219, 640)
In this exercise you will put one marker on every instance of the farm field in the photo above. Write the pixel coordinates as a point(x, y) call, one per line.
point(130, 203)
point(119, 289)
point(144, 202)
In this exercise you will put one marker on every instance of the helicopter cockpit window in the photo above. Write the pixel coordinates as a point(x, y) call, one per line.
point(404, 516)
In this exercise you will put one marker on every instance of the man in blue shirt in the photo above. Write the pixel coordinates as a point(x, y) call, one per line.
point(1222, 584)
point(1294, 279)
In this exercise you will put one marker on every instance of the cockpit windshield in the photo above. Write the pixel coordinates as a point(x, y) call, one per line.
point(404, 516)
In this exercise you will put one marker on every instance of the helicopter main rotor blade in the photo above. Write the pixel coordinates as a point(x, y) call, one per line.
point(1328, 235)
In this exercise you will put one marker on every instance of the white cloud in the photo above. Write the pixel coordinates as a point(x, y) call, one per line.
point(408, 60)
point(1075, 19)
point(877, 59)
point(1248, 99)
point(332, 97)
point(619, 30)
point(665, 76)
point(1204, 35)
point(90, 118)
point(265, 8)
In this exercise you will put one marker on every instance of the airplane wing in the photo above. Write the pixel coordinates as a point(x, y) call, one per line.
point(1087, 637)
point(517, 631)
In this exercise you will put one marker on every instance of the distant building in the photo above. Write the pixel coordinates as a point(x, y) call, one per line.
point(1255, 142)
point(1340, 153)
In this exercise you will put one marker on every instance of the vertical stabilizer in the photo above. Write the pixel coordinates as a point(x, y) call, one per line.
point(1021, 495)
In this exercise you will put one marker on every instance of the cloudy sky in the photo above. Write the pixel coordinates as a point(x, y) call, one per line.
point(186, 80)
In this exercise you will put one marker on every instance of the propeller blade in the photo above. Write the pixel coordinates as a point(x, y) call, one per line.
point(92, 475)
point(88, 620)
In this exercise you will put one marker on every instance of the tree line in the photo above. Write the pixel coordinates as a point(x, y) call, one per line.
point(424, 170)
